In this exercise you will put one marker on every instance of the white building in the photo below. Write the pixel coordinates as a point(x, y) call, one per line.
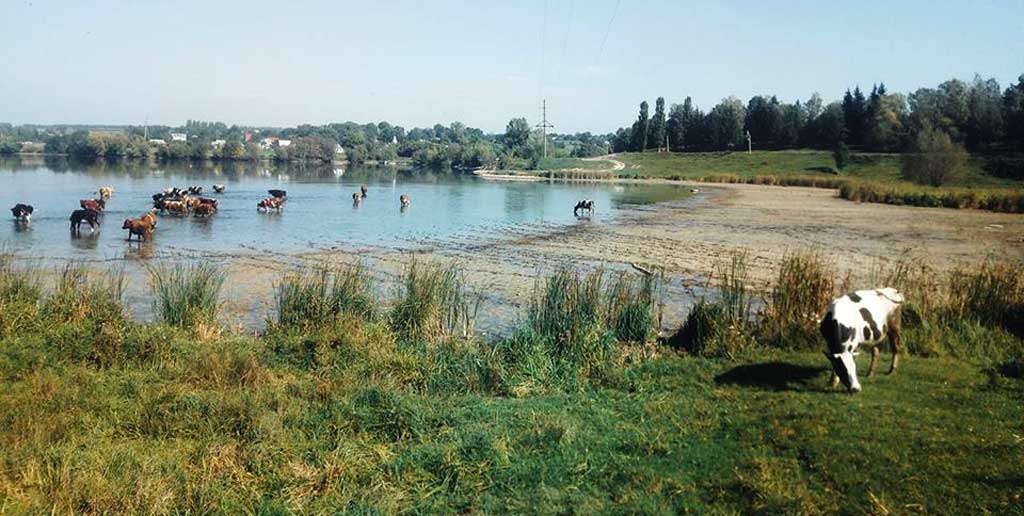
point(216, 144)
point(179, 137)
point(157, 141)
point(284, 143)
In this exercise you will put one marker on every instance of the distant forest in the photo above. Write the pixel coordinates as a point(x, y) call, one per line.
point(980, 115)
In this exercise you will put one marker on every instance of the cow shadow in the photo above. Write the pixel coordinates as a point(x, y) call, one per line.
point(776, 376)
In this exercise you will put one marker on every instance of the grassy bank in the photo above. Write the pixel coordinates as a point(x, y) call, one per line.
point(868, 177)
point(350, 403)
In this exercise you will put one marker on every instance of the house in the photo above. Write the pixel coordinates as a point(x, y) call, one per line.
point(216, 144)
point(179, 137)
point(284, 143)
point(157, 141)
point(268, 142)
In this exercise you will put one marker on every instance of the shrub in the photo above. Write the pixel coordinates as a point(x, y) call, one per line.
point(841, 155)
point(934, 159)
point(187, 296)
point(721, 328)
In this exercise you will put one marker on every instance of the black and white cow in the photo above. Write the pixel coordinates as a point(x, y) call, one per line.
point(22, 212)
point(864, 317)
point(584, 204)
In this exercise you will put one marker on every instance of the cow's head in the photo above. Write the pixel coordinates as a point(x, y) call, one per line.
point(844, 366)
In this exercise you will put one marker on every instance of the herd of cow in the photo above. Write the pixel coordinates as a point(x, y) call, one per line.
point(174, 201)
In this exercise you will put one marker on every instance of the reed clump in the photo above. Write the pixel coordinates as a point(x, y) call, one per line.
point(321, 298)
point(21, 288)
point(433, 303)
point(802, 290)
point(993, 199)
point(187, 296)
point(724, 326)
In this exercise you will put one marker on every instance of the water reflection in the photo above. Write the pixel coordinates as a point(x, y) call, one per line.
point(85, 240)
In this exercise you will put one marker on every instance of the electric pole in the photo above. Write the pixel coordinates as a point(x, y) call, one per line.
point(544, 125)
point(750, 148)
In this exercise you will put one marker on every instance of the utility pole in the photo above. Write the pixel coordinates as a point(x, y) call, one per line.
point(750, 149)
point(544, 125)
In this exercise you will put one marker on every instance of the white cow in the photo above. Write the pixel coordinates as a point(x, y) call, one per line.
point(862, 317)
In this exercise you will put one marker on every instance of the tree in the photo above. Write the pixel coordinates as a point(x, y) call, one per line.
point(638, 136)
point(841, 155)
point(934, 159)
point(656, 135)
point(725, 124)
point(517, 134)
point(763, 119)
point(1013, 112)
point(855, 114)
point(984, 124)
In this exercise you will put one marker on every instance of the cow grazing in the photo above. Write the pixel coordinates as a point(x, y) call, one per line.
point(106, 191)
point(97, 205)
point(363, 190)
point(270, 203)
point(218, 188)
point(22, 212)
point(278, 194)
point(140, 227)
point(404, 199)
point(85, 215)
point(864, 317)
point(583, 204)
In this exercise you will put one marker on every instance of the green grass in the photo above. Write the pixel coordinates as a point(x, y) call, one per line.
point(547, 164)
point(351, 416)
point(868, 177)
point(187, 296)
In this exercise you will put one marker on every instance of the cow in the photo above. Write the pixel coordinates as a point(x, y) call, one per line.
point(85, 215)
point(277, 194)
point(864, 317)
point(363, 190)
point(404, 199)
point(583, 204)
point(204, 210)
point(149, 216)
point(195, 190)
point(218, 188)
point(209, 202)
point(97, 205)
point(356, 198)
point(22, 212)
point(106, 191)
point(140, 227)
point(175, 207)
point(270, 203)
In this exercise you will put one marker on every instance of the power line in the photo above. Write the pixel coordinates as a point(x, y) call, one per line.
point(608, 31)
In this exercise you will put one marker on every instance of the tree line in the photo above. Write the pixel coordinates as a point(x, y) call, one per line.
point(979, 115)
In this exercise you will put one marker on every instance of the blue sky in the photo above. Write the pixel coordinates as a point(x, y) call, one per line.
point(415, 63)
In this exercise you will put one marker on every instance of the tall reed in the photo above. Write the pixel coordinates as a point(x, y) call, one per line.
point(721, 327)
point(802, 290)
point(632, 304)
point(21, 288)
point(322, 297)
point(433, 303)
point(187, 296)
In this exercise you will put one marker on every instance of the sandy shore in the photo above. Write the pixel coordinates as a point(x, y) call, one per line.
point(685, 239)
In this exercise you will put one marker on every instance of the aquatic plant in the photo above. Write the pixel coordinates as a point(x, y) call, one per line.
point(187, 296)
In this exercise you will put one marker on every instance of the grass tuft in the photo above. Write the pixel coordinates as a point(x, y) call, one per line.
point(801, 292)
point(433, 303)
point(187, 296)
point(306, 301)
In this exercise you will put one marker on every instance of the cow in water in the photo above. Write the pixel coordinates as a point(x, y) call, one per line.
point(106, 191)
point(864, 317)
point(357, 198)
point(85, 215)
point(405, 200)
point(270, 203)
point(218, 188)
point(583, 205)
point(22, 212)
point(278, 194)
point(363, 190)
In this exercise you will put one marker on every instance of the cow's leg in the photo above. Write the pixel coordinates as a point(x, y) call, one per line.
point(895, 326)
point(834, 382)
point(874, 358)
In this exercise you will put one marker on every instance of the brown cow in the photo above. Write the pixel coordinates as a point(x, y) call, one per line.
point(106, 192)
point(140, 227)
point(149, 216)
point(270, 203)
point(203, 210)
point(97, 205)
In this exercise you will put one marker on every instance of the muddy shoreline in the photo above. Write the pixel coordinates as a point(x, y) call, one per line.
point(683, 238)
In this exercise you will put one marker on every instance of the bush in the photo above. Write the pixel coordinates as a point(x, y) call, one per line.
point(841, 155)
point(187, 296)
point(722, 328)
point(934, 159)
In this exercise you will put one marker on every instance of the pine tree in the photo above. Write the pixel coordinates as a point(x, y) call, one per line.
point(638, 138)
point(656, 134)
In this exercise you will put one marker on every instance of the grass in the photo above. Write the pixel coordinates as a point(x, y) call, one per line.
point(433, 303)
point(187, 296)
point(868, 177)
point(308, 301)
point(350, 417)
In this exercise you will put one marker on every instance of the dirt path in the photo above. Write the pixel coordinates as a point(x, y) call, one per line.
point(686, 239)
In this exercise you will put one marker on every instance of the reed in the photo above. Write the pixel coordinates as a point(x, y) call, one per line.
point(320, 298)
point(802, 290)
point(433, 303)
point(187, 296)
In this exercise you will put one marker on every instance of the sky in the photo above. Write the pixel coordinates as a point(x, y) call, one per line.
point(417, 63)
